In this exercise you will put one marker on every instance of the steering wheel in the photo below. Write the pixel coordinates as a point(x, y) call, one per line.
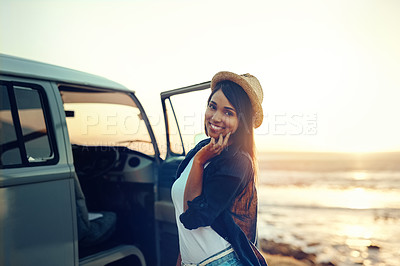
point(93, 162)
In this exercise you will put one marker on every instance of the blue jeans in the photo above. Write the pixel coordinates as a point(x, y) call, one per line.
point(230, 259)
point(227, 260)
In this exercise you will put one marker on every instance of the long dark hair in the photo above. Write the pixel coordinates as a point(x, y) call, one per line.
point(244, 135)
point(245, 204)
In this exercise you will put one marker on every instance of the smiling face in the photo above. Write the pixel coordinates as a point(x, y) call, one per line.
point(221, 116)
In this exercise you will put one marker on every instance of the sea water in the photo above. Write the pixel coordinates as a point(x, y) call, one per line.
point(345, 208)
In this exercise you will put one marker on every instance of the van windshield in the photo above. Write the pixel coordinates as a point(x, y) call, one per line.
point(101, 118)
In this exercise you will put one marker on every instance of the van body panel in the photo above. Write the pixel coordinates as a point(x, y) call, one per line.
point(16, 66)
point(38, 212)
point(10, 177)
point(63, 141)
point(37, 224)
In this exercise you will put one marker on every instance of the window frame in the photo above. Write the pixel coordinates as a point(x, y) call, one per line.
point(165, 95)
point(18, 127)
point(131, 95)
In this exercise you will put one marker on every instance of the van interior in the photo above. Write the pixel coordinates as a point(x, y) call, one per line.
point(114, 164)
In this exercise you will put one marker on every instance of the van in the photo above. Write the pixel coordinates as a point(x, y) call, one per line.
point(84, 177)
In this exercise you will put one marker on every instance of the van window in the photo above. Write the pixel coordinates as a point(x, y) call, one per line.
point(173, 129)
point(11, 155)
point(102, 118)
point(189, 110)
point(24, 137)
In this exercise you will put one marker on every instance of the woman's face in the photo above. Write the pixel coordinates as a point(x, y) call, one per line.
point(221, 116)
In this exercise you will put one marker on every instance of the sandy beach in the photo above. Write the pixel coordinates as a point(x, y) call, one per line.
point(278, 254)
point(279, 260)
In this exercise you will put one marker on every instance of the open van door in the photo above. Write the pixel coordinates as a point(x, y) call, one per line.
point(183, 110)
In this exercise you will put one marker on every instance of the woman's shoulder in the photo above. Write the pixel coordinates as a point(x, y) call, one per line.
point(234, 161)
point(236, 155)
point(243, 156)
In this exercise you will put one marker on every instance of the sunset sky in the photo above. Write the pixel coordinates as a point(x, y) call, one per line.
point(330, 70)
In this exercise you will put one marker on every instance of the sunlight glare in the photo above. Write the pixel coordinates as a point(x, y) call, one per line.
point(355, 243)
point(357, 198)
point(356, 231)
point(359, 175)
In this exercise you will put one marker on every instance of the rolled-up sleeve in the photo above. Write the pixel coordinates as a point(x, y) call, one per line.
point(220, 186)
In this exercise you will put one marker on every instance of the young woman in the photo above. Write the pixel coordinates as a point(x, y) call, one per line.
point(214, 196)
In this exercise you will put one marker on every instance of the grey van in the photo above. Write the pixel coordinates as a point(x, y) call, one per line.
point(84, 179)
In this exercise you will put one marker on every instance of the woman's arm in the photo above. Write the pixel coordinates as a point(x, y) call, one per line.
point(194, 184)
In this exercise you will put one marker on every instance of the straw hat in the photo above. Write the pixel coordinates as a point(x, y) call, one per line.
point(251, 86)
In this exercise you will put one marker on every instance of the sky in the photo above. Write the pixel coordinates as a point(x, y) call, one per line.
point(330, 70)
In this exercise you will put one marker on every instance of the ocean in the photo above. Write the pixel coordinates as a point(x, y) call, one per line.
point(345, 208)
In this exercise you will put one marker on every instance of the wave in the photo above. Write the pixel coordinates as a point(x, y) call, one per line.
point(265, 207)
point(328, 162)
point(325, 197)
point(385, 180)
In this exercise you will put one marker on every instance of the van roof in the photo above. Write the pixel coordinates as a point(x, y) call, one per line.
point(16, 66)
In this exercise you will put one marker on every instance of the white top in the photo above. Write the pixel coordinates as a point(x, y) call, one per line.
point(198, 244)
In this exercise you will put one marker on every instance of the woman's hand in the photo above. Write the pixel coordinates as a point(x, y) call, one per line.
point(212, 149)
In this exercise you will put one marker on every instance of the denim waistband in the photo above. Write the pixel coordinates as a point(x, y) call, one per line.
point(212, 258)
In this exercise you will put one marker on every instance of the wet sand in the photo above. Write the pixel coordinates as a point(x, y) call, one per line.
point(279, 254)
